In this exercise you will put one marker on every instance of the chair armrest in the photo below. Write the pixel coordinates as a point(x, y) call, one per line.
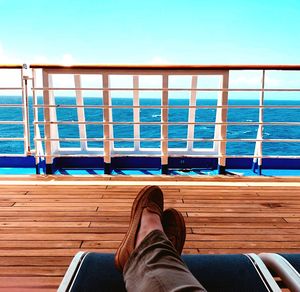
point(287, 273)
point(71, 272)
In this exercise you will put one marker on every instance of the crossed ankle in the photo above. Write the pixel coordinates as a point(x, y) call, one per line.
point(149, 222)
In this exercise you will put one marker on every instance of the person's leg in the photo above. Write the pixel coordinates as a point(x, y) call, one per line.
point(155, 265)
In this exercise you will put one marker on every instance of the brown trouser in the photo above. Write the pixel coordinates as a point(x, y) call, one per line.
point(156, 266)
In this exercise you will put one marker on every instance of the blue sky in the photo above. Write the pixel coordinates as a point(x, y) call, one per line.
point(154, 31)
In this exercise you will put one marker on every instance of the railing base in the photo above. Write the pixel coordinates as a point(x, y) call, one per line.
point(221, 169)
point(165, 169)
point(254, 166)
point(107, 169)
point(49, 168)
point(259, 169)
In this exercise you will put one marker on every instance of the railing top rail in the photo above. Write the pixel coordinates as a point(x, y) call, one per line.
point(159, 67)
point(11, 66)
point(168, 67)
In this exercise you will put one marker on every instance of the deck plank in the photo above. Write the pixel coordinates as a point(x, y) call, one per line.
point(45, 221)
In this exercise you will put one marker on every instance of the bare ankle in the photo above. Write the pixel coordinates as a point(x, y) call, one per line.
point(149, 222)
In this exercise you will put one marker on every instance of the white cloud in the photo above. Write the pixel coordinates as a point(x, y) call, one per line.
point(12, 77)
point(9, 77)
point(40, 60)
point(1, 53)
point(68, 60)
point(5, 58)
point(157, 60)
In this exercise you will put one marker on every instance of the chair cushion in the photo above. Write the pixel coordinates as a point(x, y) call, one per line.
point(214, 272)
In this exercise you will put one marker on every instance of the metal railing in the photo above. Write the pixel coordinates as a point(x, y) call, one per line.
point(15, 83)
point(51, 82)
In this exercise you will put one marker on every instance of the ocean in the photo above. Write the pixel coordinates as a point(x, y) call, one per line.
point(153, 131)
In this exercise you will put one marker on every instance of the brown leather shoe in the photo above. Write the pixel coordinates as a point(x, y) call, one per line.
point(150, 197)
point(174, 227)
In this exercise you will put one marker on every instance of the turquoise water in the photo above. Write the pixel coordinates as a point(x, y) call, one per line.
point(153, 131)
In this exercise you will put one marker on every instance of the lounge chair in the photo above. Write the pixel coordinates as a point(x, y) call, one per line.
point(240, 272)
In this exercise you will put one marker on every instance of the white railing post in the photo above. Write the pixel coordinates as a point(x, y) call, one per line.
point(221, 118)
point(136, 113)
point(80, 112)
point(254, 163)
point(164, 126)
point(47, 127)
point(261, 120)
point(192, 114)
point(107, 129)
point(25, 110)
point(35, 123)
point(51, 129)
point(259, 137)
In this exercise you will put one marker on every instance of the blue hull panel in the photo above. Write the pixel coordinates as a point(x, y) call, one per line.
point(149, 166)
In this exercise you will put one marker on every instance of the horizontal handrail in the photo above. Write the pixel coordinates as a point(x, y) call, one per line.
point(170, 123)
point(169, 139)
point(166, 67)
point(166, 89)
point(12, 139)
point(11, 105)
point(11, 122)
point(11, 66)
point(11, 88)
point(167, 107)
point(180, 155)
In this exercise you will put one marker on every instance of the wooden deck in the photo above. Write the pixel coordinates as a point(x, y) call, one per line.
point(44, 221)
